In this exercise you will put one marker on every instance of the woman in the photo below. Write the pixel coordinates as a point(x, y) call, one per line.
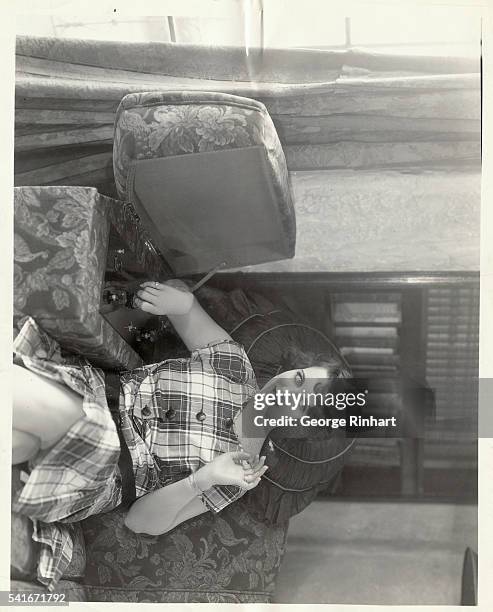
point(183, 421)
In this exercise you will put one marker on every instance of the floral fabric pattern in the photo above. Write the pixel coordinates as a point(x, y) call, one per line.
point(154, 125)
point(61, 237)
point(228, 557)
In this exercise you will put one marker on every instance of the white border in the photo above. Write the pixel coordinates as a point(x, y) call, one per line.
point(196, 7)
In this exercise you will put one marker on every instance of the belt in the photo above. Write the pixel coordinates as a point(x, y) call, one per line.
point(112, 389)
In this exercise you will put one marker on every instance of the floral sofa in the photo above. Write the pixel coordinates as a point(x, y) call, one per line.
point(230, 557)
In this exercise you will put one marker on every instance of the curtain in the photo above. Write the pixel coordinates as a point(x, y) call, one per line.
point(332, 109)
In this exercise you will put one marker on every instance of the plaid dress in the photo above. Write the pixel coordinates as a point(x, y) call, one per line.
point(175, 416)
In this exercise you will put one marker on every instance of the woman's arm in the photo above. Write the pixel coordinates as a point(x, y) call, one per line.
point(175, 300)
point(162, 510)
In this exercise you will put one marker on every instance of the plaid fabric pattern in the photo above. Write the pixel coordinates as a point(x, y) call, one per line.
point(175, 416)
point(79, 475)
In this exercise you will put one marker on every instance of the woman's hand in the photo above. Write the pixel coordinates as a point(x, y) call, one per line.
point(170, 298)
point(234, 468)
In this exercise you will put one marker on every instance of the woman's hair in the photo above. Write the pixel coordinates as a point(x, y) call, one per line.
point(275, 340)
point(339, 375)
point(303, 460)
point(294, 357)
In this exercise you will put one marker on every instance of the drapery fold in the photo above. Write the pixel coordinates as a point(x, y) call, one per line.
point(232, 63)
point(332, 109)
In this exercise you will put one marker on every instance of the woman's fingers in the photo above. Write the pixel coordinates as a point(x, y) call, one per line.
point(147, 296)
point(251, 485)
point(145, 302)
point(152, 285)
point(261, 469)
point(258, 463)
point(239, 456)
point(140, 303)
point(151, 291)
point(243, 484)
point(250, 465)
point(246, 485)
point(249, 481)
point(249, 478)
point(146, 306)
point(255, 465)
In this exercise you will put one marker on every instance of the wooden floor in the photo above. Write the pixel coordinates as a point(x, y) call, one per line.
point(377, 553)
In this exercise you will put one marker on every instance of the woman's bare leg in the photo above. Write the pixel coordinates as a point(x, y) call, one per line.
point(24, 446)
point(43, 408)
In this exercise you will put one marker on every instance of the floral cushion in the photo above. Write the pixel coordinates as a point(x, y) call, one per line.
point(153, 125)
point(60, 253)
point(228, 557)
